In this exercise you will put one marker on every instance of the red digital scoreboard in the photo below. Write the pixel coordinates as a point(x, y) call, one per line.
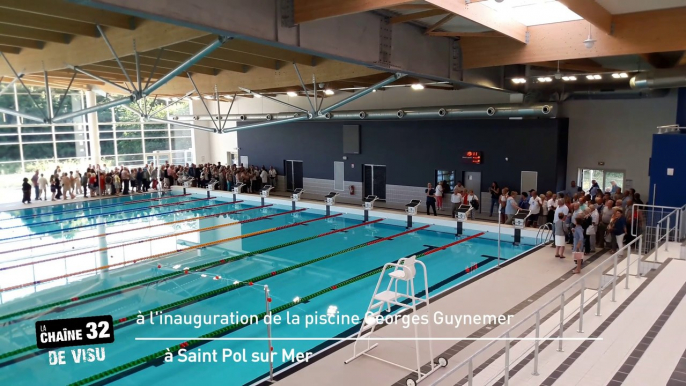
point(472, 157)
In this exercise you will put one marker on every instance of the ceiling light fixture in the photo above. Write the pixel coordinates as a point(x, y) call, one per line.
point(518, 80)
point(208, 97)
point(590, 42)
point(418, 86)
point(620, 75)
point(292, 94)
point(330, 92)
point(545, 79)
point(593, 77)
point(257, 95)
point(569, 78)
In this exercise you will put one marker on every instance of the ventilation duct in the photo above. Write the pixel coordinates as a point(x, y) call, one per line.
point(452, 112)
point(664, 78)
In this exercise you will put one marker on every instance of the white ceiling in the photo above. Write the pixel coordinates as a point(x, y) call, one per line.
point(629, 6)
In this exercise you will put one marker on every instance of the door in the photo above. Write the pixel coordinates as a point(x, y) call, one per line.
point(529, 181)
point(472, 181)
point(374, 181)
point(294, 174)
point(603, 177)
point(231, 158)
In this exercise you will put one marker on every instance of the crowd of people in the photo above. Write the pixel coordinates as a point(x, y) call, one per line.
point(100, 180)
point(586, 220)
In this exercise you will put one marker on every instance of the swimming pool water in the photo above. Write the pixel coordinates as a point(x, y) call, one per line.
point(240, 241)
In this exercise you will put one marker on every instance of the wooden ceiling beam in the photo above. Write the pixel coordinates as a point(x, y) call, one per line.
point(311, 10)
point(439, 23)
point(592, 12)
point(261, 50)
point(129, 63)
point(417, 16)
point(70, 11)
point(21, 43)
point(178, 57)
point(488, 17)
point(634, 34)
point(42, 22)
point(567, 66)
point(9, 50)
point(413, 7)
point(229, 56)
point(488, 34)
point(34, 34)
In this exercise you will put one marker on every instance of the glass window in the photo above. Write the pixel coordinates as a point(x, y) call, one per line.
point(445, 175)
point(124, 115)
point(130, 146)
point(103, 115)
point(65, 137)
point(7, 101)
point(154, 144)
point(128, 131)
point(37, 138)
point(27, 106)
point(181, 143)
point(10, 168)
point(107, 147)
point(149, 134)
point(66, 149)
point(102, 128)
point(9, 153)
point(181, 133)
point(38, 151)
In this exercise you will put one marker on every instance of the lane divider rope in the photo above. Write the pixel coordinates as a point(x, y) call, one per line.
point(92, 225)
point(148, 226)
point(234, 327)
point(96, 269)
point(232, 287)
point(95, 207)
point(162, 277)
point(102, 214)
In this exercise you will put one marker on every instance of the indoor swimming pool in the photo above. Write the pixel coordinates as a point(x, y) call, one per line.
point(175, 255)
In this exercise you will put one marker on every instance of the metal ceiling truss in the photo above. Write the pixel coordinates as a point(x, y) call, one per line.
point(136, 92)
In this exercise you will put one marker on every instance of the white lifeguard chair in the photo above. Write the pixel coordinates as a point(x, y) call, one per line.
point(404, 270)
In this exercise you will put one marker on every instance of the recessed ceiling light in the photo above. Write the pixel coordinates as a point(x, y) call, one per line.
point(418, 86)
point(545, 79)
point(620, 75)
point(569, 78)
point(330, 92)
point(596, 77)
point(518, 80)
point(616, 76)
point(292, 94)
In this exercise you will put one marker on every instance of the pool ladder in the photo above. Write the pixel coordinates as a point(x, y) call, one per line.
point(545, 233)
point(404, 270)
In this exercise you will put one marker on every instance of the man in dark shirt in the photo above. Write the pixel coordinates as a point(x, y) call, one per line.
point(430, 199)
point(619, 228)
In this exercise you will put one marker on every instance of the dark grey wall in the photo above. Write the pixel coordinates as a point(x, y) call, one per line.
point(413, 150)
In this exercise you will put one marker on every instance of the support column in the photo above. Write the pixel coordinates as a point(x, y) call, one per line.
point(93, 130)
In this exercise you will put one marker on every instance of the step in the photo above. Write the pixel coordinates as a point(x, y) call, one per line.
point(599, 362)
point(662, 354)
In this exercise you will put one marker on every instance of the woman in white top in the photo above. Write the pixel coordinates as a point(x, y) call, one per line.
point(470, 198)
point(503, 202)
point(439, 196)
point(455, 200)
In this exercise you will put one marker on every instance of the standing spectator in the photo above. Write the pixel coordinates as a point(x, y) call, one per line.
point(43, 184)
point(503, 203)
point(535, 204)
point(34, 181)
point(511, 207)
point(573, 189)
point(619, 229)
point(146, 178)
point(559, 226)
point(92, 183)
point(592, 230)
point(139, 180)
point(495, 192)
point(108, 184)
point(101, 184)
point(430, 199)
point(125, 176)
point(84, 181)
point(461, 188)
point(455, 201)
point(577, 250)
point(595, 188)
point(264, 176)
point(439, 196)
point(58, 187)
point(551, 204)
point(272, 176)
point(66, 186)
point(154, 175)
point(117, 184)
point(26, 189)
point(614, 189)
point(473, 202)
point(53, 187)
point(606, 213)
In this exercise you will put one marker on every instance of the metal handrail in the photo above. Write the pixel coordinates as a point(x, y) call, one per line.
point(676, 212)
point(537, 313)
point(544, 236)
